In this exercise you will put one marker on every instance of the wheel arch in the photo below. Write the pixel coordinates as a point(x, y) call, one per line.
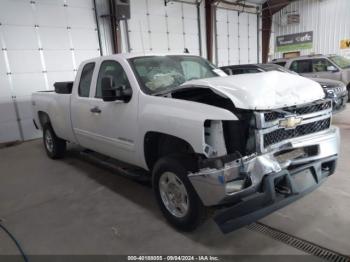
point(44, 118)
point(157, 145)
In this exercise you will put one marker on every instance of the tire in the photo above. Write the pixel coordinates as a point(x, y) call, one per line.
point(55, 147)
point(186, 219)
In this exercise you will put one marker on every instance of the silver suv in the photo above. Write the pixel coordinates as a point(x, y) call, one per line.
point(319, 66)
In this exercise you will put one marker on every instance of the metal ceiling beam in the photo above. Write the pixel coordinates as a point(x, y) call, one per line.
point(209, 27)
point(269, 8)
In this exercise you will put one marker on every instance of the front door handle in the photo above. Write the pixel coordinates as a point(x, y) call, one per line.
point(95, 110)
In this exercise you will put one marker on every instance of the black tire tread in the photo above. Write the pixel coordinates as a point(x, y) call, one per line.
point(59, 147)
point(198, 212)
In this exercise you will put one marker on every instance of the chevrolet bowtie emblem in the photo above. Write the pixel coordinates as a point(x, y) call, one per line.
point(290, 122)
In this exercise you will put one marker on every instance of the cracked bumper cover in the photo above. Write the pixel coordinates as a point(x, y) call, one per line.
point(240, 203)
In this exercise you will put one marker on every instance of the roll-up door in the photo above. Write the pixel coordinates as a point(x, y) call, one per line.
point(236, 37)
point(159, 28)
point(42, 42)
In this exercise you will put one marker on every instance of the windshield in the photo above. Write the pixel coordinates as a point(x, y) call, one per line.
point(341, 61)
point(159, 73)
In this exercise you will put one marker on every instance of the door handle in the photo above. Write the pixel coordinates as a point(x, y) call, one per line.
point(95, 110)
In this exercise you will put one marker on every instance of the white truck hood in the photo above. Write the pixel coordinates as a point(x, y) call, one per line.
point(262, 91)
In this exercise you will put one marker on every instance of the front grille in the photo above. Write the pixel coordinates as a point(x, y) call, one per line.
point(279, 135)
point(271, 116)
point(313, 108)
point(338, 89)
point(310, 108)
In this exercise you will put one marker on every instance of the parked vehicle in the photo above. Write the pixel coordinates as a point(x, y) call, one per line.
point(334, 90)
point(243, 145)
point(320, 66)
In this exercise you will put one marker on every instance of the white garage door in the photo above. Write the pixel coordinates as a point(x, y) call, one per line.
point(237, 36)
point(154, 27)
point(42, 42)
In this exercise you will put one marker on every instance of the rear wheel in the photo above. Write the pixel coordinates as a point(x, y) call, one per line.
point(176, 196)
point(55, 147)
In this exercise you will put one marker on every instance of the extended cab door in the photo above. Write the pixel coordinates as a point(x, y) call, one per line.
point(81, 116)
point(113, 125)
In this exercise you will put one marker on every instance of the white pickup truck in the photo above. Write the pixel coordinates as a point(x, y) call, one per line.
point(242, 145)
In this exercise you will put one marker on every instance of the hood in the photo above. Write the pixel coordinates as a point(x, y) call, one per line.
point(327, 82)
point(329, 85)
point(262, 91)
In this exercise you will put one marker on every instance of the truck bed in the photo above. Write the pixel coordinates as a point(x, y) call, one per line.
point(57, 107)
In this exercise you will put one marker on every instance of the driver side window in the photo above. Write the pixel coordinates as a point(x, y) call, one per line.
point(320, 65)
point(115, 70)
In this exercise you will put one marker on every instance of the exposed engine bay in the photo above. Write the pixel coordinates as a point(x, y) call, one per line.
point(257, 130)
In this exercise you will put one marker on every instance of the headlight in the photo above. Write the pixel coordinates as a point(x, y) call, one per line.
point(333, 90)
point(343, 88)
point(330, 92)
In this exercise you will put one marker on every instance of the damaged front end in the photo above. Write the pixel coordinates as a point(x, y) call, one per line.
point(291, 158)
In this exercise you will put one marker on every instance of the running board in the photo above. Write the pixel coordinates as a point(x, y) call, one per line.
point(114, 165)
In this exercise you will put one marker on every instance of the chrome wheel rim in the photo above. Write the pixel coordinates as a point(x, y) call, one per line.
point(173, 194)
point(48, 141)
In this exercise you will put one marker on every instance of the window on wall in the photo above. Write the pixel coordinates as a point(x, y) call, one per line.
point(301, 66)
point(114, 70)
point(85, 80)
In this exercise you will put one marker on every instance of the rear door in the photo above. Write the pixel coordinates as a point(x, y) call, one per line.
point(302, 67)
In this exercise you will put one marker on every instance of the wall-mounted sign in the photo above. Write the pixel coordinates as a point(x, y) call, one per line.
point(345, 44)
point(294, 42)
point(293, 19)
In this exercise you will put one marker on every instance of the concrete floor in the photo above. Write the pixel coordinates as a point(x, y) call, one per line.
point(71, 206)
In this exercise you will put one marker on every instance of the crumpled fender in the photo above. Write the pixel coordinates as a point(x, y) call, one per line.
point(179, 118)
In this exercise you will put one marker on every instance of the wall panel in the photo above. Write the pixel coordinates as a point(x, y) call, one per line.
point(156, 28)
point(42, 42)
point(236, 37)
point(328, 19)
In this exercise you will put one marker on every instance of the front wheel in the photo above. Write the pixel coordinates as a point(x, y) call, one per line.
point(176, 196)
point(55, 147)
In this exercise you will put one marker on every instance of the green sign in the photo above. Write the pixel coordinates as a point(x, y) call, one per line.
point(294, 42)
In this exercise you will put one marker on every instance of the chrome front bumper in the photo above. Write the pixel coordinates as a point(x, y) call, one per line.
point(244, 176)
point(339, 102)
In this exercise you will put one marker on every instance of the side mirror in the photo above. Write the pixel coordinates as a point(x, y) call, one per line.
point(123, 93)
point(111, 93)
point(332, 68)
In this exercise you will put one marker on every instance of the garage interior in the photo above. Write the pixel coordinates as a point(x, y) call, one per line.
point(77, 206)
